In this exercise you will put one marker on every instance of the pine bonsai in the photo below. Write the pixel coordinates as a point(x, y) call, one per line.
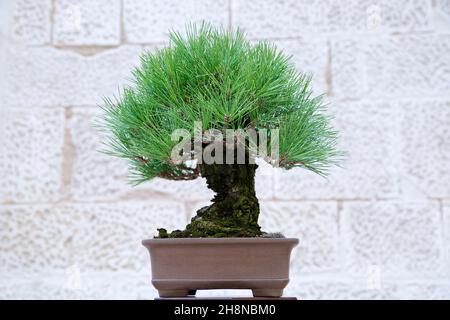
point(214, 80)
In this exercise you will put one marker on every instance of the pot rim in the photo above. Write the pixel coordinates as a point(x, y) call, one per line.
point(190, 241)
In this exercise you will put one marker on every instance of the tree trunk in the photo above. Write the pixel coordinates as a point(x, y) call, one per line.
point(235, 208)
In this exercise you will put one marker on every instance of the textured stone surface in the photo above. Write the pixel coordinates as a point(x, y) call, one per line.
point(264, 180)
point(348, 79)
point(94, 175)
point(183, 190)
point(290, 18)
point(441, 15)
point(71, 225)
point(408, 66)
point(332, 289)
point(88, 236)
point(446, 235)
point(73, 284)
point(123, 285)
point(426, 139)
point(85, 22)
point(421, 291)
point(310, 55)
point(49, 77)
point(368, 133)
point(97, 176)
point(31, 154)
point(401, 239)
point(30, 21)
point(149, 21)
point(397, 66)
point(315, 224)
point(327, 288)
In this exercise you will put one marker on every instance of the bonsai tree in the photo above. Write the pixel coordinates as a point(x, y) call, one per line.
point(214, 80)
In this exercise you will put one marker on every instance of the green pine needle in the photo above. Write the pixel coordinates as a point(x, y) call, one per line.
point(221, 79)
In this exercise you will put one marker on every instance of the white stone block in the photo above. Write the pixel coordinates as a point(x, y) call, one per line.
point(98, 285)
point(408, 66)
point(419, 291)
point(311, 57)
point(50, 77)
point(90, 237)
point(264, 181)
point(399, 66)
point(332, 288)
point(93, 174)
point(150, 21)
point(192, 190)
point(31, 157)
point(441, 16)
point(348, 79)
point(85, 22)
point(291, 18)
point(368, 133)
point(116, 231)
point(97, 176)
point(402, 239)
point(29, 21)
point(316, 226)
point(335, 287)
point(425, 148)
point(194, 206)
point(446, 236)
point(131, 285)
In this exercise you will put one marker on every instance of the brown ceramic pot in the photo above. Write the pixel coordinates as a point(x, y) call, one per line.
point(180, 266)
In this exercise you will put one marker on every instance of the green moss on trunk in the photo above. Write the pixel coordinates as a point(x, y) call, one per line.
point(235, 208)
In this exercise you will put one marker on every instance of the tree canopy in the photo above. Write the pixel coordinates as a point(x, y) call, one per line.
point(224, 81)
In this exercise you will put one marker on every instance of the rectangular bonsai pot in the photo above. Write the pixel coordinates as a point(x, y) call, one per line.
point(182, 265)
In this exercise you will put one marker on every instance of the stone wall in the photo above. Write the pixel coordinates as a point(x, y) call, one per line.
point(70, 225)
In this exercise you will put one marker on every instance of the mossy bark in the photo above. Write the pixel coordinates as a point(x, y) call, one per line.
point(235, 209)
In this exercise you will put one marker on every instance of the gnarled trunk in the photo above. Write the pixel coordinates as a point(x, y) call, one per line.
point(235, 208)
